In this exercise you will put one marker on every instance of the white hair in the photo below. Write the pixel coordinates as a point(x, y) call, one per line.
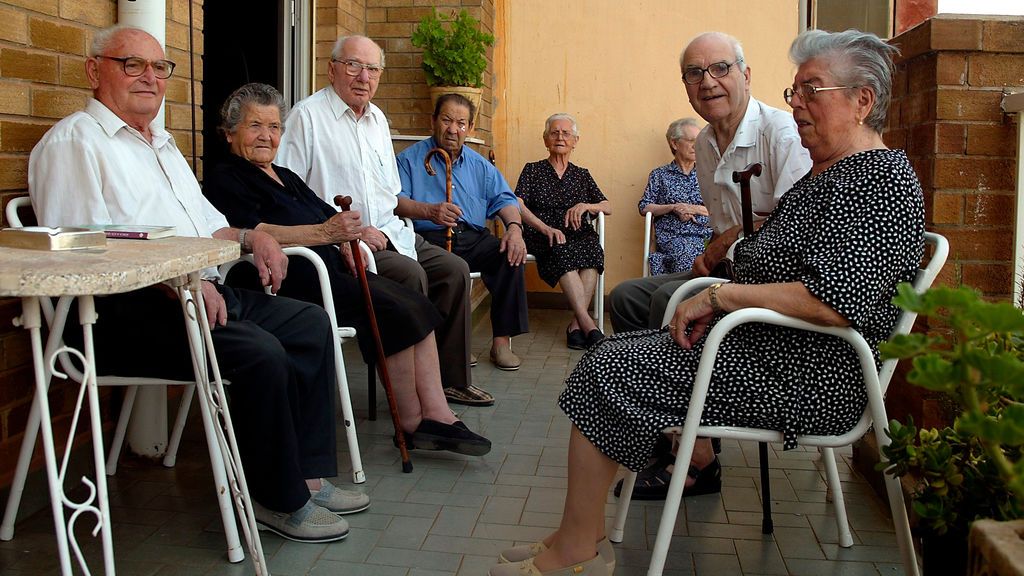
point(561, 116)
point(101, 40)
point(339, 46)
point(737, 48)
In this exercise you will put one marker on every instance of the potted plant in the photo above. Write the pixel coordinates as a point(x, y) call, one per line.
point(454, 54)
point(971, 469)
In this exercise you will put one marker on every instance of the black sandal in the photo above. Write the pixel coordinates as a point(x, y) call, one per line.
point(652, 482)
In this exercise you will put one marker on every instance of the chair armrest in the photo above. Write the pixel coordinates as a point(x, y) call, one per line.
point(648, 223)
point(689, 288)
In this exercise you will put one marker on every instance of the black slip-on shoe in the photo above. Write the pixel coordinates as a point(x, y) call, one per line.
point(457, 437)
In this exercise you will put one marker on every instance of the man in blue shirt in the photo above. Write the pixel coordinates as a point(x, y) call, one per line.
point(479, 192)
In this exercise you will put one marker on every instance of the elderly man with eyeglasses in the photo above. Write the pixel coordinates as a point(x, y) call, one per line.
point(740, 130)
point(109, 164)
point(478, 192)
point(339, 142)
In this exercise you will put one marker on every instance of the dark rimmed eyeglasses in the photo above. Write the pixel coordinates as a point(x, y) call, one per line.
point(353, 68)
point(695, 75)
point(135, 66)
point(806, 92)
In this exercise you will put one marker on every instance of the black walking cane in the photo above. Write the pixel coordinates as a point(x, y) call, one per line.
point(345, 202)
point(743, 177)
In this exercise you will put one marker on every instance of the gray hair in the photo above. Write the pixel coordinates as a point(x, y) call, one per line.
point(561, 116)
point(675, 130)
point(252, 94)
point(855, 58)
point(737, 48)
point(101, 39)
point(339, 46)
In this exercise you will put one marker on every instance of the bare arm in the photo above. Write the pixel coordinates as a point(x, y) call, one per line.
point(338, 229)
point(791, 298)
point(271, 262)
point(555, 236)
point(512, 240)
point(444, 214)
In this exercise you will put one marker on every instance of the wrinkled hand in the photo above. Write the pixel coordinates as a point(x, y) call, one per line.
point(574, 216)
point(445, 214)
point(700, 266)
point(513, 246)
point(346, 255)
point(343, 227)
point(555, 236)
point(375, 239)
point(694, 314)
point(271, 262)
point(216, 308)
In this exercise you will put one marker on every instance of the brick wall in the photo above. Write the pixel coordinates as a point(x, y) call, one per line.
point(403, 90)
point(945, 113)
point(43, 44)
point(335, 18)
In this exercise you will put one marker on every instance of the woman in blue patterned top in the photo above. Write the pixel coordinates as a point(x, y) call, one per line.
point(673, 197)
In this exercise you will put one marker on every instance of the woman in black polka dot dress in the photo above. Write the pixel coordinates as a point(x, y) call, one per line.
point(832, 253)
point(557, 199)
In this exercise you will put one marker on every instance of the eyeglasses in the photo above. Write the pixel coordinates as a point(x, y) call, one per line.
point(446, 122)
point(353, 68)
point(806, 92)
point(135, 66)
point(695, 75)
point(561, 134)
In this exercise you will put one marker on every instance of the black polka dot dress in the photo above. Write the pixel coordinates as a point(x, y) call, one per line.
point(850, 234)
point(549, 197)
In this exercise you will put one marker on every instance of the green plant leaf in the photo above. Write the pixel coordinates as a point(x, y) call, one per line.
point(933, 372)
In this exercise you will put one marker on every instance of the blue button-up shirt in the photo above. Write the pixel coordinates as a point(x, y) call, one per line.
point(478, 189)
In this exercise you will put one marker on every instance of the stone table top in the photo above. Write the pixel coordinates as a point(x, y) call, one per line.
point(121, 266)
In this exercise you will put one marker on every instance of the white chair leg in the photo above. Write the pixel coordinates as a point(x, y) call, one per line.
point(838, 501)
point(28, 444)
point(625, 497)
point(122, 425)
point(358, 475)
point(171, 457)
point(900, 521)
point(672, 503)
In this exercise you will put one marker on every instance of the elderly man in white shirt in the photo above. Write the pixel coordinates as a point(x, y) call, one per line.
point(740, 130)
point(109, 165)
point(339, 142)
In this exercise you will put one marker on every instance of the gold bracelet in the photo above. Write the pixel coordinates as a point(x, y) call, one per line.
point(716, 307)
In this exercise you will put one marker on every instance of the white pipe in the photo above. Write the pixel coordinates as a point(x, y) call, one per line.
point(802, 24)
point(147, 431)
point(1014, 104)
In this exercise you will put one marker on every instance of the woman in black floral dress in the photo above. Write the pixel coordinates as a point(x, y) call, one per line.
point(557, 199)
point(831, 253)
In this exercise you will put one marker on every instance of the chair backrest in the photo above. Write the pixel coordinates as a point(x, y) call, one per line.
point(19, 203)
point(922, 282)
point(648, 223)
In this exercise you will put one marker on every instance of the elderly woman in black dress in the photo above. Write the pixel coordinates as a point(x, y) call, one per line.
point(557, 199)
point(831, 253)
point(252, 192)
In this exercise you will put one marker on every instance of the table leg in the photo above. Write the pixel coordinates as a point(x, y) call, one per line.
point(96, 503)
point(213, 402)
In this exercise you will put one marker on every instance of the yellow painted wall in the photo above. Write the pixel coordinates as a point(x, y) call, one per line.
point(614, 65)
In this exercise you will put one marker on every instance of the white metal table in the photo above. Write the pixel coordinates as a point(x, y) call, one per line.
point(124, 265)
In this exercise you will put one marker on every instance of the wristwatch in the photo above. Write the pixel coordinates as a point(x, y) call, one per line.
point(241, 240)
point(716, 307)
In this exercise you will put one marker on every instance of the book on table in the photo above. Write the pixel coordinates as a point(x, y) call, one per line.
point(133, 231)
point(47, 238)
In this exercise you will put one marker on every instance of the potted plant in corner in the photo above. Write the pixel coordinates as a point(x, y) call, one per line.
point(454, 54)
point(971, 469)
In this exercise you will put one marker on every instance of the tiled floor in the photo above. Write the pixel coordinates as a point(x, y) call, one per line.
point(453, 514)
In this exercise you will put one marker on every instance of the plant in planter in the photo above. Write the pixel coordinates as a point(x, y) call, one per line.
point(454, 53)
point(972, 469)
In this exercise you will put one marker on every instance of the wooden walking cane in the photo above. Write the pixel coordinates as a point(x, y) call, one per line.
point(345, 202)
point(447, 184)
point(743, 178)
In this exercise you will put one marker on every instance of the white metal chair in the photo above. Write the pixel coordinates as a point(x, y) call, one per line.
point(55, 318)
point(875, 382)
point(340, 335)
point(648, 223)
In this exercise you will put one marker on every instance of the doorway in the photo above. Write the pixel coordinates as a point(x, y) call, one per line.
point(265, 41)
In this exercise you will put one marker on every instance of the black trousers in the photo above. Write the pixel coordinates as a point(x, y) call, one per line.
point(278, 355)
point(506, 283)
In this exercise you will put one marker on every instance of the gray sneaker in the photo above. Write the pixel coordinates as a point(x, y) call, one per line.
point(311, 523)
point(339, 501)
